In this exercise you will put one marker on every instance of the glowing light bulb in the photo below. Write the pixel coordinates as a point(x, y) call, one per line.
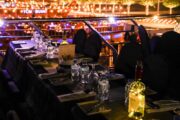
point(155, 17)
point(111, 20)
point(1, 22)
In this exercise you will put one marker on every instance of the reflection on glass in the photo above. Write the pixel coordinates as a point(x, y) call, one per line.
point(84, 70)
point(103, 90)
point(93, 78)
point(103, 93)
point(50, 51)
point(75, 68)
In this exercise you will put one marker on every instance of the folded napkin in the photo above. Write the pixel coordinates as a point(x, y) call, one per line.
point(76, 96)
point(61, 81)
point(164, 105)
point(52, 75)
point(24, 48)
point(115, 76)
point(25, 53)
point(36, 56)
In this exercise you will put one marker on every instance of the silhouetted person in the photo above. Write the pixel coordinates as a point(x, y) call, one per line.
point(169, 47)
point(126, 36)
point(154, 42)
point(162, 69)
point(79, 40)
point(129, 54)
point(145, 41)
point(93, 46)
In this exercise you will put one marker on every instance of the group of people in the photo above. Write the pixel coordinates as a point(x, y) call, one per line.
point(161, 63)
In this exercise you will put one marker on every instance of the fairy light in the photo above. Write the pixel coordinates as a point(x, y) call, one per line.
point(1, 22)
point(5, 11)
point(111, 20)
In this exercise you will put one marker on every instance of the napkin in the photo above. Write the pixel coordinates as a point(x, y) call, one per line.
point(164, 105)
point(24, 48)
point(52, 75)
point(36, 56)
point(75, 96)
point(115, 76)
point(25, 53)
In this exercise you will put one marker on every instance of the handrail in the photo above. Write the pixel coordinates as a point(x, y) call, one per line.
point(14, 37)
point(39, 30)
point(85, 19)
point(115, 53)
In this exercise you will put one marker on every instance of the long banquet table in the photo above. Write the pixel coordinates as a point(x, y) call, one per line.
point(42, 97)
point(46, 99)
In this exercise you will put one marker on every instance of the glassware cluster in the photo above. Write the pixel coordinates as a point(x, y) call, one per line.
point(91, 80)
point(44, 45)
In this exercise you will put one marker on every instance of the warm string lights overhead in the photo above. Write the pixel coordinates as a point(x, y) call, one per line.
point(63, 8)
point(25, 9)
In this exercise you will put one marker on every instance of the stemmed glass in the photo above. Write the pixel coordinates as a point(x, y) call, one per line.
point(50, 50)
point(103, 93)
point(75, 71)
point(84, 70)
point(93, 78)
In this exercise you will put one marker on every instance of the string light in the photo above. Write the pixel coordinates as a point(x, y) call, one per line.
point(1, 22)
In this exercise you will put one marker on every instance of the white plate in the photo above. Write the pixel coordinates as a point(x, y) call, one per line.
point(19, 42)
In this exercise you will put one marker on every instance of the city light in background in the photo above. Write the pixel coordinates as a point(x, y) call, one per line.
point(90, 8)
point(1, 22)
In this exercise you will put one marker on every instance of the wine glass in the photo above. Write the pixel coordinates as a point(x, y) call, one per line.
point(75, 71)
point(50, 50)
point(84, 70)
point(103, 93)
point(93, 78)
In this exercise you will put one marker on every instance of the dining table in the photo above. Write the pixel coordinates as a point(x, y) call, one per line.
point(46, 87)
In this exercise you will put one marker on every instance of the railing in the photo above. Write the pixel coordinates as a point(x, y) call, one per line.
point(87, 21)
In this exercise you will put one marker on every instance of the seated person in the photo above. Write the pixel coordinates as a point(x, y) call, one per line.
point(153, 43)
point(93, 46)
point(79, 40)
point(129, 54)
point(162, 69)
point(169, 47)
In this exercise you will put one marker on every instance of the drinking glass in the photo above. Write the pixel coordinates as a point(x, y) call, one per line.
point(103, 93)
point(126, 94)
point(103, 90)
point(50, 52)
point(75, 71)
point(93, 78)
point(84, 70)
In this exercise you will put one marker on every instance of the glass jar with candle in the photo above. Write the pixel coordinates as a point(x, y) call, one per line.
point(64, 39)
point(136, 103)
